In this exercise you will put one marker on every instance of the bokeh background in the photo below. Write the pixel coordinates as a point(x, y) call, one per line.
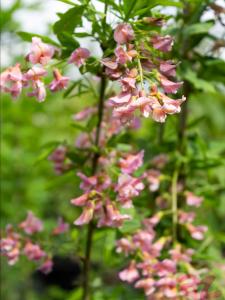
point(30, 130)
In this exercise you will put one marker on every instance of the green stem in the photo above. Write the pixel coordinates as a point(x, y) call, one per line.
point(141, 73)
point(174, 204)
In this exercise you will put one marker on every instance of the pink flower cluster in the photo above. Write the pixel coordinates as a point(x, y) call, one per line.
point(13, 79)
point(160, 277)
point(145, 80)
point(96, 200)
point(14, 244)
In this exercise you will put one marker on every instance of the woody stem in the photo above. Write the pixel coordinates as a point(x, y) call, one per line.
point(91, 226)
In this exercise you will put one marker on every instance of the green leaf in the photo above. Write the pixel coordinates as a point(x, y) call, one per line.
point(140, 7)
point(27, 36)
point(68, 41)
point(79, 127)
point(69, 20)
point(67, 2)
point(71, 88)
point(82, 34)
point(199, 83)
point(198, 28)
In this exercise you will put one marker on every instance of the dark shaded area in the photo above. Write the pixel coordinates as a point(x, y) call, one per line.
point(65, 274)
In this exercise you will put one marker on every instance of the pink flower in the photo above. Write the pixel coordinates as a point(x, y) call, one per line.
point(153, 178)
point(122, 56)
point(87, 183)
point(11, 81)
point(162, 43)
point(10, 246)
point(197, 232)
point(188, 284)
point(168, 286)
point(110, 63)
point(84, 114)
point(60, 82)
point(193, 200)
point(169, 86)
point(123, 33)
point(158, 113)
point(32, 224)
point(112, 216)
point(35, 73)
point(61, 227)
point(167, 68)
point(79, 56)
point(132, 162)
point(83, 141)
point(121, 99)
point(33, 251)
point(144, 104)
point(40, 52)
point(128, 187)
point(124, 113)
point(153, 221)
point(82, 200)
point(47, 266)
point(148, 284)
point(186, 217)
point(113, 74)
point(159, 21)
point(130, 274)
point(178, 256)
point(125, 246)
point(159, 161)
point(128, 83)
point(99, 183)
point(39, 90)
point(165, 267)
point(87, 214)
point(143, 240)
point(172, 106)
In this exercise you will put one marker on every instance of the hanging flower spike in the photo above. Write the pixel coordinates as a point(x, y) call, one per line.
point(40, 52)
point(32, 224)
point(11, 81)
point(79, 56)
point(123, 33)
